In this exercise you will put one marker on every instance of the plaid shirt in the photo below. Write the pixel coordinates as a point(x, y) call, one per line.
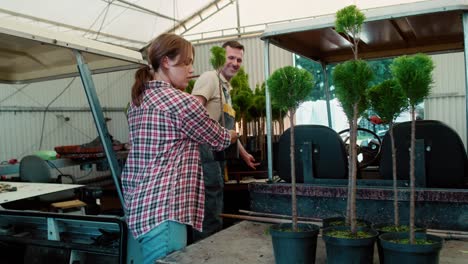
point(162, 178)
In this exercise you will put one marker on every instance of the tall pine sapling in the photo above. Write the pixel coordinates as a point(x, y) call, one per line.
point(289, 86)
point(388, 101)
point(351, 80)
point(414, 75)
point(242, 99)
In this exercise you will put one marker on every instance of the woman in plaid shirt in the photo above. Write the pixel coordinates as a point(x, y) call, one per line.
point(162, 178)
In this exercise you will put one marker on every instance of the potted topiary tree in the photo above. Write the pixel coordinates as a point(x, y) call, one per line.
point(292, 243)
point(388, 101)
point(351, 80)
point(414, 75)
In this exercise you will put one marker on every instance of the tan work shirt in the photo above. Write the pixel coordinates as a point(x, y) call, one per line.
point(207, 85)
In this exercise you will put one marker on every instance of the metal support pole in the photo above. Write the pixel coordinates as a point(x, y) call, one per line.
point(238, 19)
point(266, 61)
point(465, 49)
point(327, 93)
point(98, 117)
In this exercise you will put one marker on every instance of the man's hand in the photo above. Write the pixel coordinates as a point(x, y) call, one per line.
point(249, 159)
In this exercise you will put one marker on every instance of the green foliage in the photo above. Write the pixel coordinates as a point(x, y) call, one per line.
point(414, 75)
point(258, 107)
point(189, 87)
point(240, 82)
point(381, 69)
point(218, 57)
point(290, 86)
point(318, 93)
point(241, 93)
point(349, 20)
point(387, 100)
point(351, 80)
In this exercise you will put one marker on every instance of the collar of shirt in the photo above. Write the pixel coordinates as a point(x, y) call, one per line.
point(157, 84)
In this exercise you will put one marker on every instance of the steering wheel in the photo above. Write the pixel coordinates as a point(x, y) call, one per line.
point(368, 149)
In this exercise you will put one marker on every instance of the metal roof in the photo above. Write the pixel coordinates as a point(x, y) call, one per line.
point(430, 26)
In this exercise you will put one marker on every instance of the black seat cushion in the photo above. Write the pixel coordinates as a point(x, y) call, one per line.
point(328, 155)
point(445, 155)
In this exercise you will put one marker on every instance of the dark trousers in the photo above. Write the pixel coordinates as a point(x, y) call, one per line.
point(213, 174)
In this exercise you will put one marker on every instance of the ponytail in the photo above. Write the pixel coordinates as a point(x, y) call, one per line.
point(142, 76)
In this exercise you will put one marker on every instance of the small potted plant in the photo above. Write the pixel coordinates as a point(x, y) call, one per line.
point(292, 243)
point(414, 75)
point(351, 80)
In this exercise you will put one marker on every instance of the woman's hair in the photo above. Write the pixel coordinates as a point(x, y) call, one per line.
point(166, 44)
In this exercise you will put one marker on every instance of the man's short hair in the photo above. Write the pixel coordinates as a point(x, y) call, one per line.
point(233, 44)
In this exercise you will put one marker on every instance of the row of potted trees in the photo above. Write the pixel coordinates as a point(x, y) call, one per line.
point(352, 243)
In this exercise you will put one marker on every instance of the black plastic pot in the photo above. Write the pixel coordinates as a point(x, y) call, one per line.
point(348, 250)
point(407, 253)
point(379, 228)
point(329, 222)
point(294, 247)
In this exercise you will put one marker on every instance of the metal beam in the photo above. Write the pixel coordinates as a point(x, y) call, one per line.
point(147, 10)
point(198, 14)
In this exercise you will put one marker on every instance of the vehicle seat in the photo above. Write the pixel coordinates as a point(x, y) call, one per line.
point(329, 155)
point(445, 155)
point(32, 168)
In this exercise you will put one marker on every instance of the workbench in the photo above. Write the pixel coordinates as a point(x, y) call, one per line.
point(31, 189)
point(249, 242)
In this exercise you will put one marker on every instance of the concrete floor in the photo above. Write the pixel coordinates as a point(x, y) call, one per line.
point(248, 242)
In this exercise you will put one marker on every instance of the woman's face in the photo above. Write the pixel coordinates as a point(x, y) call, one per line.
point(180, 71)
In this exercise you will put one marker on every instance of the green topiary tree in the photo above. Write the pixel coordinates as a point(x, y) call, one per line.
point(349, 21)
point(289, 86)
point(242, 99)
point(388, 101)
point(414, 75)
point(351, 81)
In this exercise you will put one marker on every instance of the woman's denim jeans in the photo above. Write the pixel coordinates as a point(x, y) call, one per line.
point(167, 237)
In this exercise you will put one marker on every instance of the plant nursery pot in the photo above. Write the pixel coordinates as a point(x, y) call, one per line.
point(380, 228)
point(406, 253)
point(294, 247)
point(349, 250)
point(341, 221)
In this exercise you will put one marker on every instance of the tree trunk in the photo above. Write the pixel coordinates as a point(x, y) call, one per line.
point(293, 175)
point(262, 138)
point(350, 172)
point(412, 177)
point(244, 129)
point(396, 214)
point(353, 141)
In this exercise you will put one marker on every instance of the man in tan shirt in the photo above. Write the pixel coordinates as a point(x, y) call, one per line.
point(207, 91)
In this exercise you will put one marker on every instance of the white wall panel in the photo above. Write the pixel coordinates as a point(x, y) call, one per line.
point(20, 132)
point(446, 101)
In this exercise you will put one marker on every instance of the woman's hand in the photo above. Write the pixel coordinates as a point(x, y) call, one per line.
point(234, 136)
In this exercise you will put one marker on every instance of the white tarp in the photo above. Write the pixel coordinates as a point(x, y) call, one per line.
point(139, 22)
